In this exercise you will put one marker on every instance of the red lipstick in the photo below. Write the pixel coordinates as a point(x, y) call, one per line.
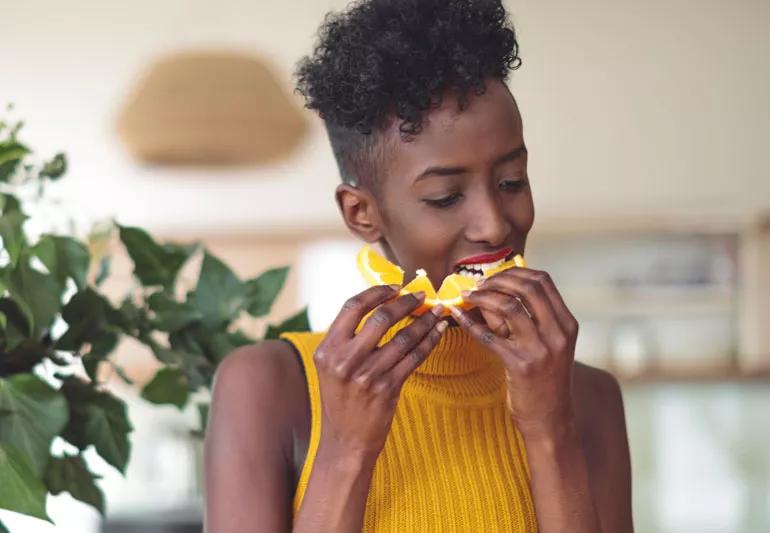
point(485, 258)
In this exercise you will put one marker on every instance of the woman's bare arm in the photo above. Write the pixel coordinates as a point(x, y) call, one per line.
point(335, 499)
point(249, 486)
point(608, 455)
point(587, 465)
point(248, 481)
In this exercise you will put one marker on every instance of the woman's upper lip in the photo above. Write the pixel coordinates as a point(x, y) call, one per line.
point(485, 258)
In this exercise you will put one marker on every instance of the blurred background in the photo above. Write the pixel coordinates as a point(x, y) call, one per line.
point(647, 125)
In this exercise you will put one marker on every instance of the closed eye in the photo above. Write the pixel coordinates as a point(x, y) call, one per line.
point(447, 201)
point(443, 202)
point(514, 185)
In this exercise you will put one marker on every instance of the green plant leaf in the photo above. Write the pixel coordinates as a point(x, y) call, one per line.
point(63, 257)
point(121, 373)
point(219, 295)
point(11, 153)
point(154, 264)
point(190, 353)
point(104, 270)
point(296, 322)
point(169, 386)
point(171, 315)
point(187, 339)
point(38, 294)
point(17, 328)
point(100, 419)
point(9, 204)
point(21, 490)
point(31, 415)
point(239, 338)
point(55, 168)
point(262, 291)
point(103, 342)
point(203, 415)
point(168, 356)
point(12, 233)
point(218, 344)
point(86, 314)
point(71, 474)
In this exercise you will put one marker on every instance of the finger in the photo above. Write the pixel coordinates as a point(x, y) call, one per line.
point(480, 332)
point(414, 357)
point(509, 308)
point(357, 306)
point(533, 296)
point(384, 317)
point(411, 338)
point(565, 317)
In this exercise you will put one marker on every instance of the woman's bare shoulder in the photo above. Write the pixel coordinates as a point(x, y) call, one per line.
point(268, 371)
point(257, 419)
point(250, 438)
point(594, 383)
point(598, 399)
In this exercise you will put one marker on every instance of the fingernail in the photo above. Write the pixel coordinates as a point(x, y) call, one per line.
point(437, 309)
point(480, 282)
point(395, 287)
point(465, 294)
point(441, 326)
point(455, 311)
point(419, 295)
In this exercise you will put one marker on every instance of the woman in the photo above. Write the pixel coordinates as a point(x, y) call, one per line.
point(477, 422)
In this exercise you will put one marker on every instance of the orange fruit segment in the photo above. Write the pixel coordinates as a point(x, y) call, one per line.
point(377, 270)
point(451, 287)
point(516, 261)
point(421, 282)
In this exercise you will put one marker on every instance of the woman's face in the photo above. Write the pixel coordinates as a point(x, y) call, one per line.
point(458, 189)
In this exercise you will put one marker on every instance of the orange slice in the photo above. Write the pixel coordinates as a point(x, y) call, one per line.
point(377, 270)
point(421, 282)
point(451, 287)
point(516, 261)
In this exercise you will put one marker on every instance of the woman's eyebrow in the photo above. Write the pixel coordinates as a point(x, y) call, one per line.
point(453, 171)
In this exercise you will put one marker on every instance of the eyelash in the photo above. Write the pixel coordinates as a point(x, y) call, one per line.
point(447, 201)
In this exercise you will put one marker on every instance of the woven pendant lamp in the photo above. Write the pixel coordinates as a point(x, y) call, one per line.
point(210, 108)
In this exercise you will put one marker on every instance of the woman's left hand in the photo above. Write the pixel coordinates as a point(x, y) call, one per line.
point(530, 328)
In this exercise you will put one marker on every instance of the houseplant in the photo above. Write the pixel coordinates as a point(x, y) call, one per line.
point(58, 331)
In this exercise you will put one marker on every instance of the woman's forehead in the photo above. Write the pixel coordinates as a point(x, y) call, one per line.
point(488, 127)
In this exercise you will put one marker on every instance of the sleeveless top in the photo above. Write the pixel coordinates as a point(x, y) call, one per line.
point(453, 461)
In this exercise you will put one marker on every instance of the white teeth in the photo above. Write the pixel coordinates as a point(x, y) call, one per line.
point(470, 273)
point(479, 268)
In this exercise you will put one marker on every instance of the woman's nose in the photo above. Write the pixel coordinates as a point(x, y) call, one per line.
point(488, 224)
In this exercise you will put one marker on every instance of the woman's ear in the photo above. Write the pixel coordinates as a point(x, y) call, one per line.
point(359, 211)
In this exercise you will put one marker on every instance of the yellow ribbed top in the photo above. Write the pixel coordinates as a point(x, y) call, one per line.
point(453, 460)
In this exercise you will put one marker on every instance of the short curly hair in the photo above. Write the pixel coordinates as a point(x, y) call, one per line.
point(397, 58)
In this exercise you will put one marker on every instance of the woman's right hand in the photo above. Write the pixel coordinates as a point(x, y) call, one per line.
point(360, 382)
